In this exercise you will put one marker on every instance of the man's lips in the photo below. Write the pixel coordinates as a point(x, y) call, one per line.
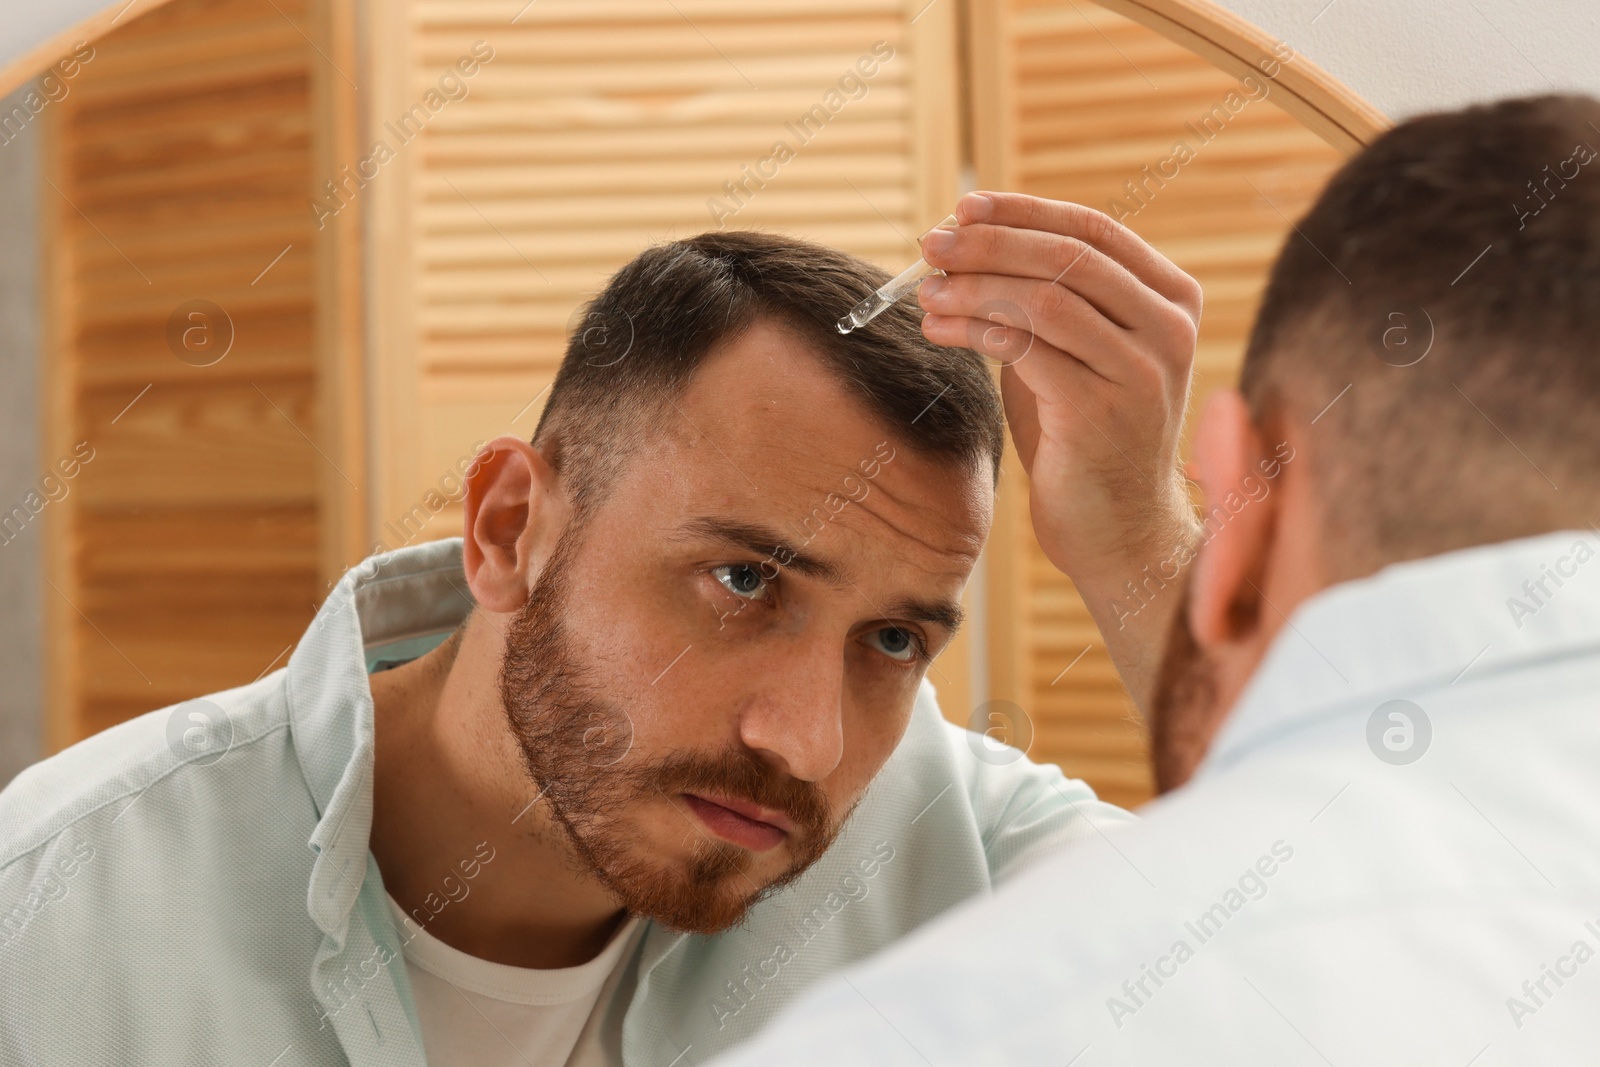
point(740, 822)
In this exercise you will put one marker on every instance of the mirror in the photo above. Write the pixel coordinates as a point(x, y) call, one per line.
point(278, 267)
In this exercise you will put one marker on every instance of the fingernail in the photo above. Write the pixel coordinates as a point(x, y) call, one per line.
point(939, 241)
point(978, 206)
point(932, 286)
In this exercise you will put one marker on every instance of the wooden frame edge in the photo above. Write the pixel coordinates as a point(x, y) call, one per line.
point(936, 90)
point(339, 355)
point(393, 378)
point(1326, 105)
point(33, 62)
point(932, 40)
point(992, 104)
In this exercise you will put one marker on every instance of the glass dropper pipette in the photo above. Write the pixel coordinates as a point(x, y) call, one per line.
point(892, 290)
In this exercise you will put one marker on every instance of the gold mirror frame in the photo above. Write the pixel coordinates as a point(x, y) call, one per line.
point(1327, 106)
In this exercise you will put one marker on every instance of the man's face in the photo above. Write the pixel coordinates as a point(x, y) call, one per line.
point(711, 670)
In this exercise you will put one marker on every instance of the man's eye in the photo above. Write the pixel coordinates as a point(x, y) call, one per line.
point(742, 580)
point(896, 643)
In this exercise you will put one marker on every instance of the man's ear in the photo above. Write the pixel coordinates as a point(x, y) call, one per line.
point(515, 512)
point(1240, 520)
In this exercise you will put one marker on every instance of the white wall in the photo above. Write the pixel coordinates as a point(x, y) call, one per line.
point(21, 561)
point(25, 26)
point(1409, 56)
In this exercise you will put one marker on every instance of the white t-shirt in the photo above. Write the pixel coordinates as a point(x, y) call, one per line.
point(475, 1013)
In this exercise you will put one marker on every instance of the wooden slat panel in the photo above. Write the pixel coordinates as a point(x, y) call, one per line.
point(182, 168)
point(1080, 101)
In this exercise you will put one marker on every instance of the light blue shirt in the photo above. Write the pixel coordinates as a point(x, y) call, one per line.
point(1391, 856)
point(195, 887)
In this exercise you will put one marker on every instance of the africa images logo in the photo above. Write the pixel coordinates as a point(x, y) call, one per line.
point(1399, 732)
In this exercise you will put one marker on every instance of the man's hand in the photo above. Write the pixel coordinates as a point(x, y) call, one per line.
point(1096, 333)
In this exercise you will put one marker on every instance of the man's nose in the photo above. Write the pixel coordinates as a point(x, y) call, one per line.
point(796, 721)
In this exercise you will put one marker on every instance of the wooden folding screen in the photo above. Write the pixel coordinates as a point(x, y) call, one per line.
point(1072, 102)
point(193, 354)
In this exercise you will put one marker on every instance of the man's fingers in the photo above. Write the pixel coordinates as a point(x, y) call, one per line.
point(1045, 370)
point(1060, 318)
point(1085, 224)
point(1003, 338)
point(1022, 415)
point(1066, 261)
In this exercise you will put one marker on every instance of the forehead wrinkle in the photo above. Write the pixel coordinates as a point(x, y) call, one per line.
point(943, 612)
point(966, 554)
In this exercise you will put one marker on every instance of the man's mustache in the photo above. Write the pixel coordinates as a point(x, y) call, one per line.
point(738, 776)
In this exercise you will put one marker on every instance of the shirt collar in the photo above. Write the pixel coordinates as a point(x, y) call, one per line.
point(388, 597)
point(1421, 625)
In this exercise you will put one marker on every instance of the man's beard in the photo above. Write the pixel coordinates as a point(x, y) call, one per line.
point(577, 747)
point(1183, 710)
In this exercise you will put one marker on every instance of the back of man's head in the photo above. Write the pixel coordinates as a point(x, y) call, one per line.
point(1449, 278)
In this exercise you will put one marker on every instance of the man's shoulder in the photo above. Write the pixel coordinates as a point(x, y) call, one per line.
point(116, 767)
point(1017, 809)
point(162, 861)
point(1312, 878)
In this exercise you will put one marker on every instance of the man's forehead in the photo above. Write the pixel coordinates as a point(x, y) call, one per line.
point(868, 518)
point(768, 403)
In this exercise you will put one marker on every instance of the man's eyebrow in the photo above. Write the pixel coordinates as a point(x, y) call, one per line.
point(761, 539)
point(945, 613)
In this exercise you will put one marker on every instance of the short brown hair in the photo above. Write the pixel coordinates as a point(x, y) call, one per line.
point(641, 340)
point(1477, 231)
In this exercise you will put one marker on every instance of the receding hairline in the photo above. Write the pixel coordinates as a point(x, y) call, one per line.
point(649, 420)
